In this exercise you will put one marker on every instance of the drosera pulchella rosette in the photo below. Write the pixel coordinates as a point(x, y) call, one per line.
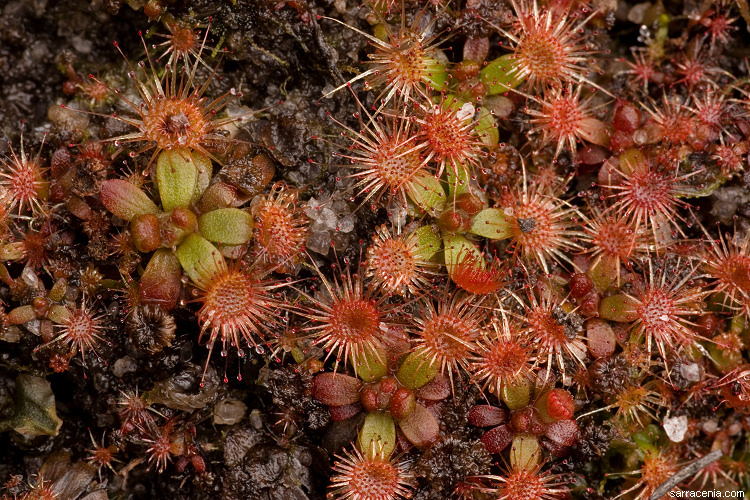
point(371, 475)
point(447, 329)
point(400, 263)
point(281, 228)
point(555, 327)
point(549, 45)
point(526, 483)
point(541, 226)
point(612, 242)
point(172, 111)
point(662, 306)
point(658, 466)
point(24, 187)
point(407, 62)
point(726, 261)
point(386, 157)
point(562, 118)
point(649, 196)
point(237, 301)
point(672, 121)
point(504, 356)
point(449, 132)
point(80, 328)
point(183, 42)
point(634, 400)
point(351, 321)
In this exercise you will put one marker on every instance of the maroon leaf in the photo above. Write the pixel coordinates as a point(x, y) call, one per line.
point(487, 416)
point(497, 439)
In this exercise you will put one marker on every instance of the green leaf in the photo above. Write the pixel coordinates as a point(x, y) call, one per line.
point(378, 436)
point(501, 75)
point(372, 366)
point(702, 189)
point(492, 223)
point(516, 395)
point(35, 413)
point(416, 370)
point(458, 180)
point(58, 290)
point(604, 273)
point(648, 439)
point(59, 314)
point(201, 260)
point(620, 308)
point(427, 193)
point(205, 171)
point(723, 358)
point(176, 175)
point(525, 452)
point(380, 31)
point(230, 226)
point(428, 242)
point(435, 73)
point(738, 325)
point(487, 129)
point(22, 314)
point(457, 248)
point(125, 200)
point(632, 160)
